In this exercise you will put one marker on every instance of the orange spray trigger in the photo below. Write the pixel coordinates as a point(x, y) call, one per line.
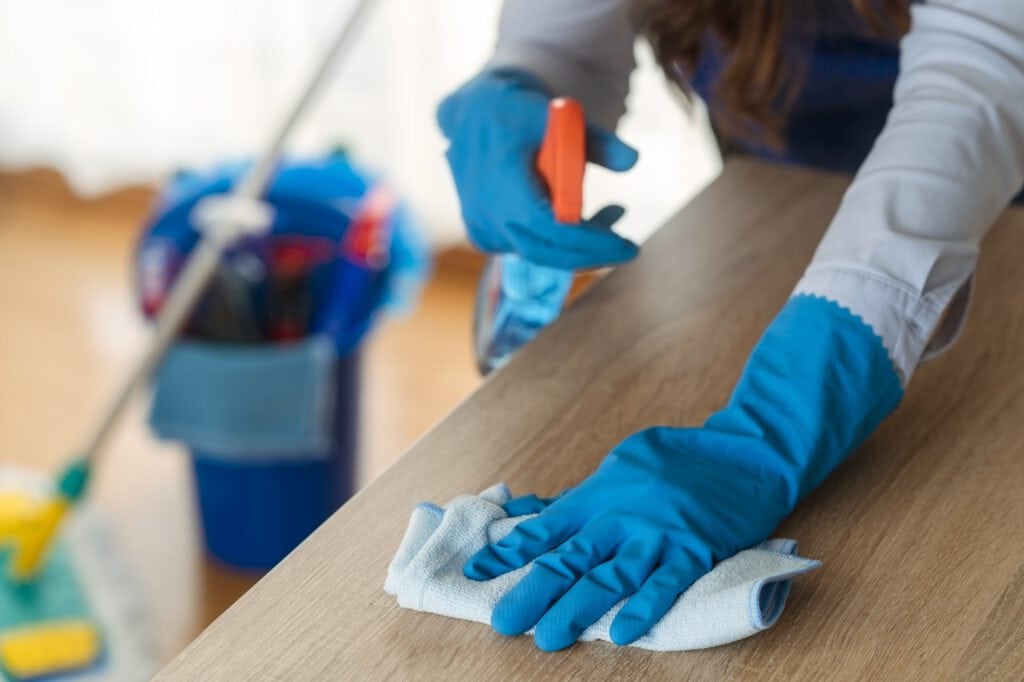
point(563, 158)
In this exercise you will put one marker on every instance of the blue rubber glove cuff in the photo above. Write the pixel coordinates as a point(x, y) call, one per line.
point(818, 383)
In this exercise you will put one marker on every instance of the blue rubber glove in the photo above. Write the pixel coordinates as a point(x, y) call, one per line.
point(496, 124)
point(667, 504)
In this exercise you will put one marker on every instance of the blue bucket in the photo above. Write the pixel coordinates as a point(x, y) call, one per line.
point(254, 514)
point(270, 469)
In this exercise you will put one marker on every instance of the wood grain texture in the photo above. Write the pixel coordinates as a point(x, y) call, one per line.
point(921, 532)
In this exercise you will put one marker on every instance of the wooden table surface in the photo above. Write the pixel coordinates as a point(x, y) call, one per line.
point(921, 532)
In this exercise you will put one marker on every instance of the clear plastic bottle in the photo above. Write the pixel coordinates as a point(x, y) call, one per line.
point(515, 300)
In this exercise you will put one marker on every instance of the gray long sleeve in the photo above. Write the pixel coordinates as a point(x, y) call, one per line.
point(906, 238)
point(579, 48)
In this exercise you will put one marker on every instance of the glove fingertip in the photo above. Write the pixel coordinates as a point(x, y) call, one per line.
point(626, 629)
point(547, 640)
point(621, 251)
point(608, 150)
point(628, 251)
point(505, 626)
point(509, 617)
point(621, 157)
point(609, 215)
point(562, 625)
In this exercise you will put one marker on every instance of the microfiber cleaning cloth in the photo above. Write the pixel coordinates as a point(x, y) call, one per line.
point(740, 597)
point(83, 616)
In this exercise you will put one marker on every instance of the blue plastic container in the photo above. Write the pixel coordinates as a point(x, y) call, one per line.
point(254, 514)
point(256, 507)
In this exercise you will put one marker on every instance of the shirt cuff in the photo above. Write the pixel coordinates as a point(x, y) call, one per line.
point(911, 328)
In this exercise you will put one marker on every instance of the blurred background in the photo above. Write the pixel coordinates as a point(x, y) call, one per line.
point(101, 102)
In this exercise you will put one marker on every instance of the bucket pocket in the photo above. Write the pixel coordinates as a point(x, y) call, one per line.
point(258, 403)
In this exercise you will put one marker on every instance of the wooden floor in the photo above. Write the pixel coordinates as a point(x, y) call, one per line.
point(68, 333)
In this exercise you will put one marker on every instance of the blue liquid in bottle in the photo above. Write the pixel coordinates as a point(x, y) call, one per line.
point(515, 300)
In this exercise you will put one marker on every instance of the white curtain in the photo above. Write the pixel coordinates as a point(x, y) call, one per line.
point(112, 92)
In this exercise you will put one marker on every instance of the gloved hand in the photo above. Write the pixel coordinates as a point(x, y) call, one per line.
point(496, 123)
point(667, 504)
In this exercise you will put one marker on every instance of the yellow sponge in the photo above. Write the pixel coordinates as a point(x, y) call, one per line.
point(49, 648)
point(34, 537)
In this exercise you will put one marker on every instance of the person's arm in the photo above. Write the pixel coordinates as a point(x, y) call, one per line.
point(666, 504)
point(578, 48)
point(901, 250)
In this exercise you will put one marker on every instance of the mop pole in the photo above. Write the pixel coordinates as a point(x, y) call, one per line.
point(188, 287)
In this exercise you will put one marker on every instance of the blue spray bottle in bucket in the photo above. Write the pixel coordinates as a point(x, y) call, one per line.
point(516, 298)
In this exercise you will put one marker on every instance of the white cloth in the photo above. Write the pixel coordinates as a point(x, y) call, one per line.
point(902, 247)
point(741, 596)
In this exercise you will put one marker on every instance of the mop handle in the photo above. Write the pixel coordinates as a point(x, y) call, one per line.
point(205, 257)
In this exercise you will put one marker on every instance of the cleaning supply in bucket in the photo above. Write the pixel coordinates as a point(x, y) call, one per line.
point(270, 419)
point(359, 273)
point(516, 298)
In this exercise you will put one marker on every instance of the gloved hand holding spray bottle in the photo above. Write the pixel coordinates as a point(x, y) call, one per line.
point(532, 220)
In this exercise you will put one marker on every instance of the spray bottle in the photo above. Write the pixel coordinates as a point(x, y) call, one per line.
point(516, 298)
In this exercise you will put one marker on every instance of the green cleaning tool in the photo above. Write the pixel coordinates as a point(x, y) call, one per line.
point(47, 625)
point(45, 628)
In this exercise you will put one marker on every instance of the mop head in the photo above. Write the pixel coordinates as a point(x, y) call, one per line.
point(81, 615)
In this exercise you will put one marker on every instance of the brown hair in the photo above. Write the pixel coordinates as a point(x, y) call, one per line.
point(762, 72)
